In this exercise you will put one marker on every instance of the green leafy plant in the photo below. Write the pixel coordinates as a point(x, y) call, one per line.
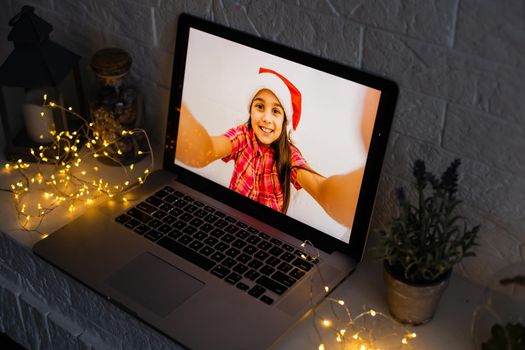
point(428, 238)
point(508, 337)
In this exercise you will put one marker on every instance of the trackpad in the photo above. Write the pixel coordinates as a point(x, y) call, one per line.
point(154, 284)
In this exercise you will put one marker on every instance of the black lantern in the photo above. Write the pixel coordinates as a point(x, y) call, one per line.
point(36, 67)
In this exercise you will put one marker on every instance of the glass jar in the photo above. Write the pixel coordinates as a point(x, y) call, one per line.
point(116, 109)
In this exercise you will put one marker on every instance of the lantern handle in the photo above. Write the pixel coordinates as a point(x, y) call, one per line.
point(25, 10)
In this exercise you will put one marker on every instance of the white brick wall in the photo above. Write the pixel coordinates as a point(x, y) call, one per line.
point(460, 65)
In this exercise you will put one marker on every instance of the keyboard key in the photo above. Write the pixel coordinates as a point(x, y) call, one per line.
point(196, 245)
point(283, 279)
point(242, 286)
point(284, 267)
point(175, 233)
point(255, 264)
point(231, 229)
point(240, 268)
point(276, 251)
point(206, 250)
point(252, 230)
point(233, 252)
point(211, 241)
point(188, 198)
point(159, 214)
point(253, 239)
point(233, 278)
point(228, 238)
point(229, 262)
point(275, 241)
point(241, 224)
point(161, 193)
point(154, 201)
point(171, 198)
point(181, 203)
point(217, 232)
point(179, 224)
point(186, 217)
point(155, 223)
point(217, 256)
point(201, 214)
point(264, 235)
point(221, 223)
point(190, 208)
point(273, 261)
point(164, 228)
point(147, 208)
point(244, 258)
point(239, 244)
point(261, 255)
point(209, 209)
point(230, 219)
point(132, 223)
point(287, 256)
point(170, 219)
point(199, 235)
point(206, 227)
point(153, 235)
point(242, 234)
point(252, 275)
point(288, 248)
point(249, 249)
point(220, 271)
point(123, 218)
point(189, 230)
point(186, 253)
point(267, 300)
point(168, 189)
point(303, 265)
point(264, 245)
point(196, 222)
point(221, 246)
point(220, 214)
point(178, 194)
point(141, 229)
point(270, 284)
point(267, 270)
point(198, 204)
point(139, 215)
point(166, 207)
point(185, 239)
point(256, 291)
point(297, 274)
point(176, 211)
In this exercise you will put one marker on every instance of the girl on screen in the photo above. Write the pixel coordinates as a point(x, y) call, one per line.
point(266, 162)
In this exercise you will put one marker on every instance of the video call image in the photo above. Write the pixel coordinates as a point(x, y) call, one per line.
point(289, 137)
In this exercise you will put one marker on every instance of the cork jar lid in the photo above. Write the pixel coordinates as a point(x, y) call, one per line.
point(111, 62)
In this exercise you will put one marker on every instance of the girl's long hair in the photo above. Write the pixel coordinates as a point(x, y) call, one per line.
point(282, 158)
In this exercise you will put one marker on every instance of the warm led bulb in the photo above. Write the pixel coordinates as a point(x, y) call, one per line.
point(372, 313)
point(326, 289)
point(326, 323)
point(341, 302)
point(321, 347)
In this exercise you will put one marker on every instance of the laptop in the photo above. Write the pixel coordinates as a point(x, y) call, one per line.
point(219, 243)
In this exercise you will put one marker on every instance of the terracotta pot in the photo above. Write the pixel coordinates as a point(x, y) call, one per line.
point(410, 303)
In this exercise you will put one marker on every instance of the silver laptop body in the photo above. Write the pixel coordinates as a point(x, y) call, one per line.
point(173, 289)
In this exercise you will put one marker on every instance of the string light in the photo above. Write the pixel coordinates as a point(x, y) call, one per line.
point(363, 334)
point(59, 177)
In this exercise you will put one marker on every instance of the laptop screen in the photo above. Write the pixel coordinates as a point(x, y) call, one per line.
point(288, 135)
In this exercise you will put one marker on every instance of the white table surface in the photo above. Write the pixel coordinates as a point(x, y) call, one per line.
point(450, 328)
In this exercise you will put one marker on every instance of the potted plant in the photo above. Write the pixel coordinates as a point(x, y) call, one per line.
point(421, 246)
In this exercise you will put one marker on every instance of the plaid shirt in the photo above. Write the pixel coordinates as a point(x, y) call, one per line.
point(255, 172)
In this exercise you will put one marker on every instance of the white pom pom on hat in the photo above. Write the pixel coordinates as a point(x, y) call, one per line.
point(287, 94)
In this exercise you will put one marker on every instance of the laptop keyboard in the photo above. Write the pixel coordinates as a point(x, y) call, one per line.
point(241, 255)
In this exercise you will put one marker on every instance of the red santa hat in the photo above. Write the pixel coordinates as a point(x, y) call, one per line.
point(287, 94)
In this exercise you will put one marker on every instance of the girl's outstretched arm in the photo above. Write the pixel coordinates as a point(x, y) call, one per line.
point(336, 194)
point(195, 147)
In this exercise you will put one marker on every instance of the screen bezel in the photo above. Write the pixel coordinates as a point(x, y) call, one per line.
point(321, 240)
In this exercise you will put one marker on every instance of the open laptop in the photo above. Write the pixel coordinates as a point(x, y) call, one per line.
point(203, 263)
